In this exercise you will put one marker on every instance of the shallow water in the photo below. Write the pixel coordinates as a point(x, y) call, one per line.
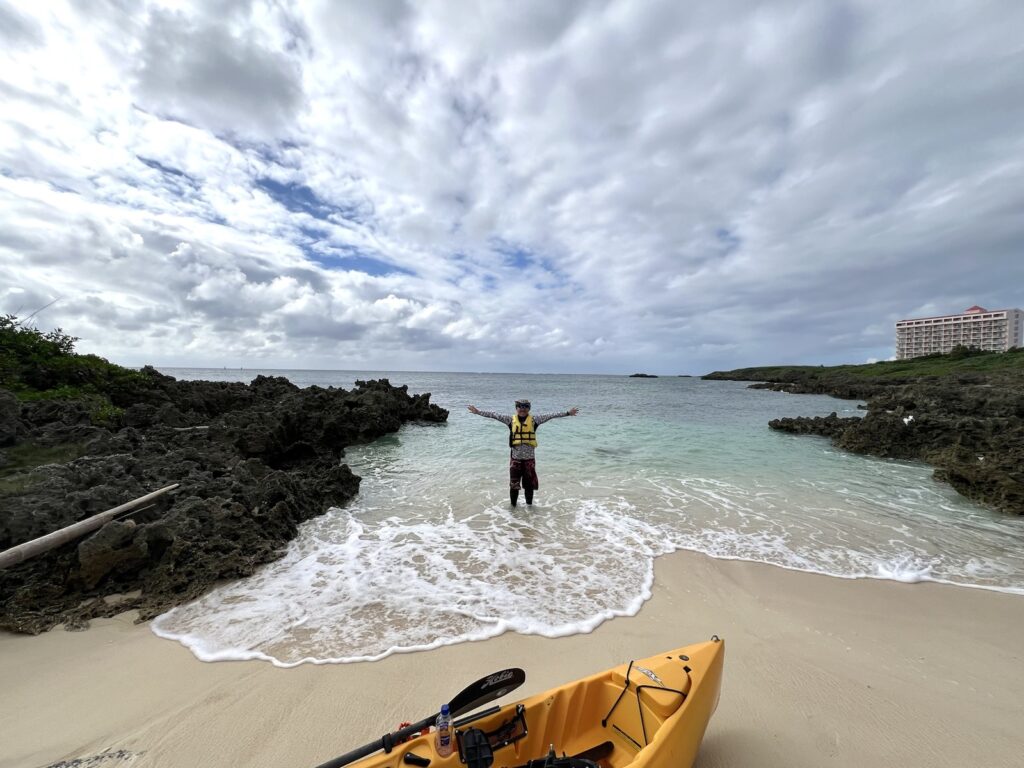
point(431, 553)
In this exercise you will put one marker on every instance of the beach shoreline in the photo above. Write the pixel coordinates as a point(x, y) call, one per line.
point(818, 670)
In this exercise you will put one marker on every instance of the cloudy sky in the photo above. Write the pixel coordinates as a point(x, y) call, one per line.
point(544, 186)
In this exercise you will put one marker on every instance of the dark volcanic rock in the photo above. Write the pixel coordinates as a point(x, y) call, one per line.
point(114, 546)
point(10, 417)
point(253, 462)
point(848, 390)
point(770, 385)
point(826, 426)
point(991, 479)
point(969, 426)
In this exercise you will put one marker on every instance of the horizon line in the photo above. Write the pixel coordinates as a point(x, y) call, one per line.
point(396, 370)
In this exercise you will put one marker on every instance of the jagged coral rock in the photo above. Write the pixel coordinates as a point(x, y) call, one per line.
point(254, 461)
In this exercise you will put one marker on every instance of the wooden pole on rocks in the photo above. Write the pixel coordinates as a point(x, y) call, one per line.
point(23, 552)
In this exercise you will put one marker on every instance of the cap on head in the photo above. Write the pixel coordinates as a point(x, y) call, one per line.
point(522, 403)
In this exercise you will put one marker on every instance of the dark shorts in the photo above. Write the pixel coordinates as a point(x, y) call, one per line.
point(523, 473)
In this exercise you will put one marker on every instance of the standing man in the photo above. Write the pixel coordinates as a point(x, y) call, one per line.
point(522, 439)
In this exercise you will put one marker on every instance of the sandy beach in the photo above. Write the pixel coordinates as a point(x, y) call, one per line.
point(819, 671)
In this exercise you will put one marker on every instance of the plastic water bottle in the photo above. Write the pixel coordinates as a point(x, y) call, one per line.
point(443, 736)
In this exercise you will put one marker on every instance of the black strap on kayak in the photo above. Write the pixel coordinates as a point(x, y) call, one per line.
point(657, 688)
point(639, 705)
point(604, 720)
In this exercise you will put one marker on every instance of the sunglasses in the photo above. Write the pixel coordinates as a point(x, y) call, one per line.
point(520, 404)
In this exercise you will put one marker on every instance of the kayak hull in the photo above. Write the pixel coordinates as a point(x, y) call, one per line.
point(657, 721)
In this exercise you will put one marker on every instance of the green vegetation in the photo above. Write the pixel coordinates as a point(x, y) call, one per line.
point(960, 360)
point(44, 366)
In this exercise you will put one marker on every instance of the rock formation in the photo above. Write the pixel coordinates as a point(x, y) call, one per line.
point(969, 425)
point(253, 462)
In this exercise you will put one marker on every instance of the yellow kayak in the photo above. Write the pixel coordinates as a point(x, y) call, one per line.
point(647, 713)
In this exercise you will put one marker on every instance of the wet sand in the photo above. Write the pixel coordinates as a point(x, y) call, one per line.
point(818, 671)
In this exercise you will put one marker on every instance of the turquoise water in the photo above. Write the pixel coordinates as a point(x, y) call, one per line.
point(431, 553)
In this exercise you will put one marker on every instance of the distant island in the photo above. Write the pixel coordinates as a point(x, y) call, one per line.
point(642, 376)
point(962, 412)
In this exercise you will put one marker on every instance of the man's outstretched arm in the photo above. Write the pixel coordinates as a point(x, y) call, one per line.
point(490, 414)
point(538, 420)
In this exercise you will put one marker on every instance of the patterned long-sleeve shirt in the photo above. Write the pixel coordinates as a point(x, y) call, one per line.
point(522, 452)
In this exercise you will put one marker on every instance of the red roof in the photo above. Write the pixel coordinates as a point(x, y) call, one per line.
point(974, 309)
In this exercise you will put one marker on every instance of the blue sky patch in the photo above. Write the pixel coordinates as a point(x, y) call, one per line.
point(372, 266)
point(297, 198)
point(520, 258)
point(513, 255)
point(346, 257)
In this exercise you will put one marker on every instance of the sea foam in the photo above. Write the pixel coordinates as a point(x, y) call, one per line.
point(430, 553)
point(358, 586)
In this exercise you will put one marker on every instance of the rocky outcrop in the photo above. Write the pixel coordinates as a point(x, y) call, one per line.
point(10, 418)
point(253, 462)
point(826, 426)
point(845, 390)
point(969, 425)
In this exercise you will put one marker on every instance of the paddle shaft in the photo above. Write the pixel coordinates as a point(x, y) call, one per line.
point(386, 743)
point(483, 691)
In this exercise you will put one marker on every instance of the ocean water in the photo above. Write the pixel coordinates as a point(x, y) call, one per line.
point(431, 553)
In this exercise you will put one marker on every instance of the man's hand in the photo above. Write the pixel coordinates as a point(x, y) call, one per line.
point(473, 409)
point(573, 411)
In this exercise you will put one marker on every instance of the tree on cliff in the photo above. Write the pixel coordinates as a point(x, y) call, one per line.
point(35, 364)
point(960, 351)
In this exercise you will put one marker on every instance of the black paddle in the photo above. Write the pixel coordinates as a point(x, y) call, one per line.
point(482, 691)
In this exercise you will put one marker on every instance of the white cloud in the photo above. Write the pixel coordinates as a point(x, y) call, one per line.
point(611, 186)
point(200, 70)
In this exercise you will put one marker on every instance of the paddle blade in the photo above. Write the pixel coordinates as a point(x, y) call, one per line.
point(486, 690)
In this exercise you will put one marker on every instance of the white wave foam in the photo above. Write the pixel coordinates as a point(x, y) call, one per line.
point(908, 569)
point(412, 568)
point(349, 590)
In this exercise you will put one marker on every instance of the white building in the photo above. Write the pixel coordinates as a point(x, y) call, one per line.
point(979, 328)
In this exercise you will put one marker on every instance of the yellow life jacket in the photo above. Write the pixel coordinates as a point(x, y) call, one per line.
point(523, 433)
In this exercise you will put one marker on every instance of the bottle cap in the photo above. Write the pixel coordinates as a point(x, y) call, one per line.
point(444, 709)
